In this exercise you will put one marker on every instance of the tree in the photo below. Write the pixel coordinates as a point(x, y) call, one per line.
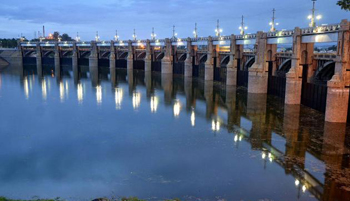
point(66, 37)
point(344, 4)
point(56, 35)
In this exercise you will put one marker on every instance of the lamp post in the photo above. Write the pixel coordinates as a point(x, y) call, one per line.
point(134, 36)
point(272, 23)
point(174, 33)
point(313, 17)
point(218, 31)
point(153, 35)
point(116, 37)
point(195, 32)
point(97, 37)
point(77, 39)
point(242, 27)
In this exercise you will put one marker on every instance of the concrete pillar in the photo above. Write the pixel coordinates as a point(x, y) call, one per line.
point(131, 82)
point(209, 98)
point(148, 58)
point(75, 57)
point(338, 94)
point(113, 74)
point(256, 112)
point(189, 93)
point(167, 85)
point(167, 61)
point(188, 61)
point(232, 116)
point(294, 76)
point(57, 60)
point(112, 56)
point(39, 64)
point(209, 66)
point(231, 77)
point(333, 150)
point(258, 73)
point(148, 82)
point(94, 77)
point(337, 100)
point(18, 56)
point(296, 144)
point(130, 59)
point(93, 59)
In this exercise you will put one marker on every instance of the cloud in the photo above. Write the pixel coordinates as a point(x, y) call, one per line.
point(106, 16)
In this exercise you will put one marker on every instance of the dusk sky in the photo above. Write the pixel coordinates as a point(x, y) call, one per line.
point(87, 16)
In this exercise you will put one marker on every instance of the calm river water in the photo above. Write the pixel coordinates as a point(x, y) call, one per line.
point(81, 136)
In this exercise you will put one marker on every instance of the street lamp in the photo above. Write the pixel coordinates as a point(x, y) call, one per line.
point(195, 32)
point(273, 24)
point(77, 39)
point(116, 37)
point(174, 33)
point(242, 27)
point(313, 17)
point(218, 31)
point(134, 35)
point(97, 37)
point(153, 35)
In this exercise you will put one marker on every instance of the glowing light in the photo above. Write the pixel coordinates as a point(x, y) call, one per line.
point(240, 138)
point(304, 188)
point(215, 125)
point(136, 100)
point(193, 118)
point(61, 92)
point(297, 182)
point(318, 17)
point(118, 98)
point(309, 17)
point(80, 93)
point(67, 89)
point(270, 157)
point(26, 87)
point(236, 138)
point(99, 95)
point(177, 108)
point(263, 156)
point(154, 104)
point(44, 89)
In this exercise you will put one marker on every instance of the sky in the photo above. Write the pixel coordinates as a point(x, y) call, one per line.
point(107, 16)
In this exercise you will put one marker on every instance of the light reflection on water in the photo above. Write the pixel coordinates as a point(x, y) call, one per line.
point(154, 104)
point(221, 143)
point(118, 98)
point(99, 95)
point(80, 93)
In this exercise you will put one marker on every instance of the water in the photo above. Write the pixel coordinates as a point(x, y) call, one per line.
point(91, 135)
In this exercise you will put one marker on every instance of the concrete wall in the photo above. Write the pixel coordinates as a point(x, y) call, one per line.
point(9, 57)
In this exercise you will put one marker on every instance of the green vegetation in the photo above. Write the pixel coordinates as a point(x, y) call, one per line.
point(34, 199)
point(8, 43)
point(344, 4)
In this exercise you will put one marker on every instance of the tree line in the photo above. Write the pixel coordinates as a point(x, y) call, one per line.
point(8, 43)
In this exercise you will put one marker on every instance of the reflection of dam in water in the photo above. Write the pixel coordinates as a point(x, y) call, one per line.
point(293, 138)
